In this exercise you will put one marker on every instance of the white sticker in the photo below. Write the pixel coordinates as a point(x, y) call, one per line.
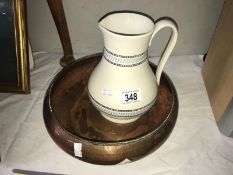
point(78, 149)
point(106, 92)
point(131, 96)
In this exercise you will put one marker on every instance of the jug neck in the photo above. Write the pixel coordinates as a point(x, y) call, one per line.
point(126, 33)
point(125, 45)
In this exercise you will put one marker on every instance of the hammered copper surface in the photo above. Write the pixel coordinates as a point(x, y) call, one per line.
point(71, 118)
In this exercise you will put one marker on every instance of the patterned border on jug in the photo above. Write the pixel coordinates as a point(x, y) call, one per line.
point(125, 61)
point(119, 114)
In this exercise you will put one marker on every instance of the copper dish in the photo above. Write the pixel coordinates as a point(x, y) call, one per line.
point(70, 118)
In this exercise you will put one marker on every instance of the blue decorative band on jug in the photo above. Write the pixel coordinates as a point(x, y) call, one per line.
point(125, 61)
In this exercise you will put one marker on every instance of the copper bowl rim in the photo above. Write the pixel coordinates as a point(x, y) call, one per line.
point(105, 143)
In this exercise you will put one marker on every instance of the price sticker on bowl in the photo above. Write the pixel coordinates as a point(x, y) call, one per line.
point(78, 149)
point(131, 96)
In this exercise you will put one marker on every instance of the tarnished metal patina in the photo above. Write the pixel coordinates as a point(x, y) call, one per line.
point(70, 118)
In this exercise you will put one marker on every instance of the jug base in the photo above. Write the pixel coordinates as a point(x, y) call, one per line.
point(119, 121)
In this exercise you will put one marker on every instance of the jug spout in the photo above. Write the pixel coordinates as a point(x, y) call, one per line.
point(127, 33)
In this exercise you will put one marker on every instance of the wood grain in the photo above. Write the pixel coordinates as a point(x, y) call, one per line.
point(217, 70)
point(57, 10)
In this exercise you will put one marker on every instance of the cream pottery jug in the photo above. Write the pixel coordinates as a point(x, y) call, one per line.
point(122, 86)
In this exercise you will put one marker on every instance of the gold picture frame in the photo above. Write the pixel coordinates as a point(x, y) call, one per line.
point(20, 83)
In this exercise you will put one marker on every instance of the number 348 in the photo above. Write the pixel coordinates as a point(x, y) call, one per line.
point(131, 97)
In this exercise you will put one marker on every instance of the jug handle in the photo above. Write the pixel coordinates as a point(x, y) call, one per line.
point(171, 43)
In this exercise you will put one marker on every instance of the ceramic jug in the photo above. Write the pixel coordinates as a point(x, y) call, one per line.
point(122, 86)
